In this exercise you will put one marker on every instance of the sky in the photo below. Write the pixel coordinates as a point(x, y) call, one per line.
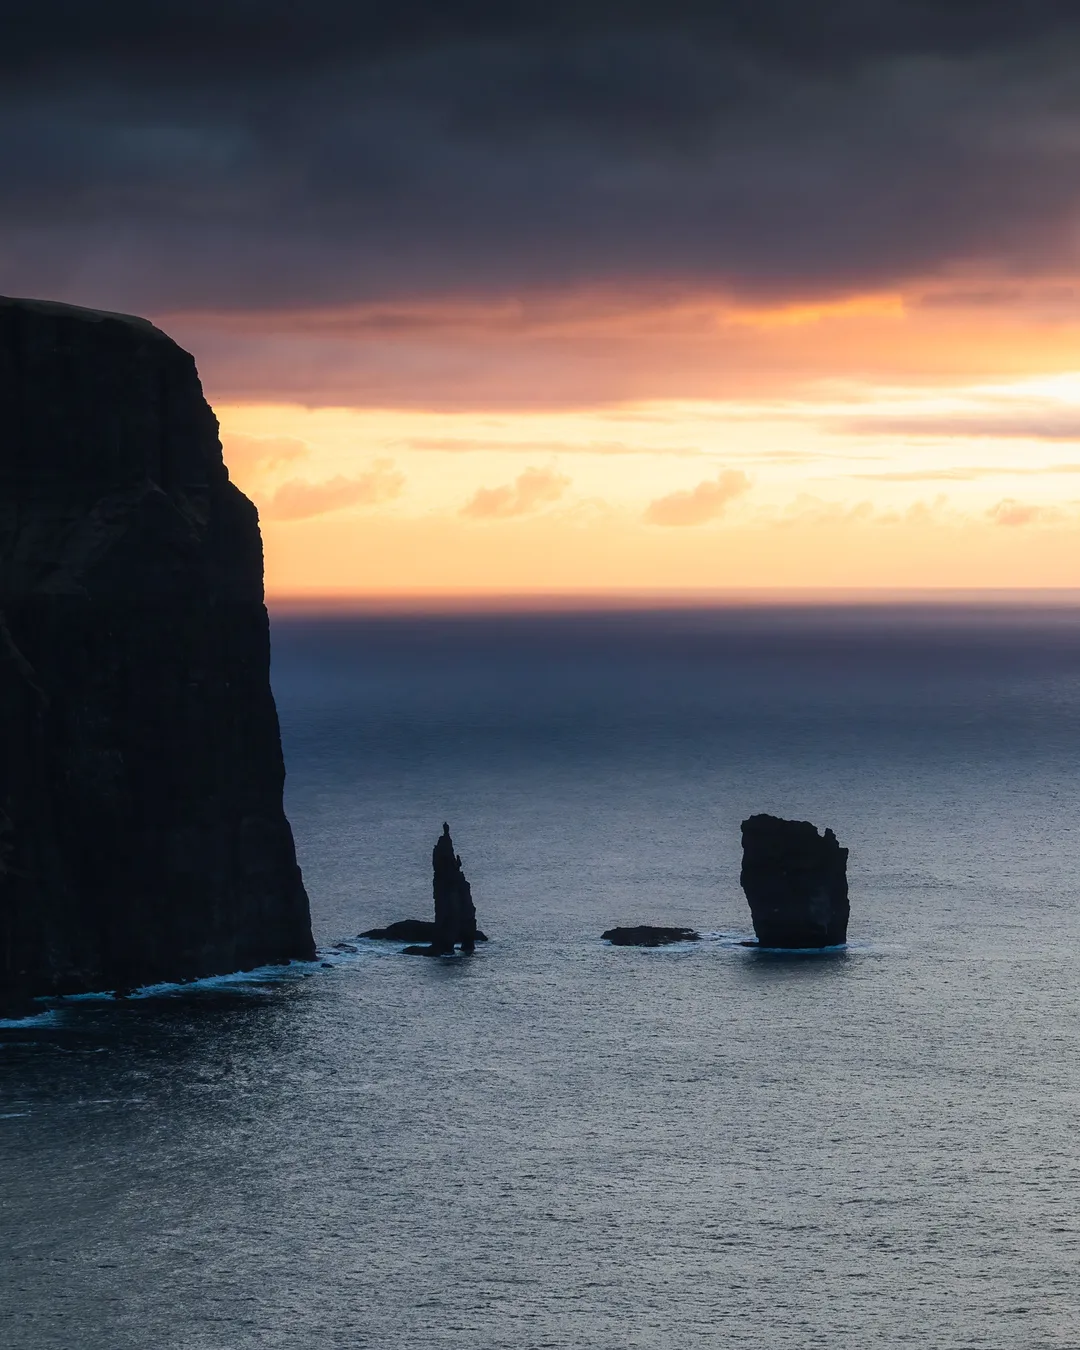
point(552, 296)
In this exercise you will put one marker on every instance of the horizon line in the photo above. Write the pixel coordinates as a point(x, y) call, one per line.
point(743, 597)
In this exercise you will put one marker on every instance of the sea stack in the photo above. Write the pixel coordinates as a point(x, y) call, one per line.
point(795, 881)
point(455, 914)
point(142, 833)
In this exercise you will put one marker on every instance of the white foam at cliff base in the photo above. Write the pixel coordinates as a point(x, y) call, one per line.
point(259, 977)
point(41, 1019)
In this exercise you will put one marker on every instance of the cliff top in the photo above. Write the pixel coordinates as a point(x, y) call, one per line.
point(57, 310)
point(93, 405)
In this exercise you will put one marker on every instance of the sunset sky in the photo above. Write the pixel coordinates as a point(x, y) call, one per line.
point(545, 297)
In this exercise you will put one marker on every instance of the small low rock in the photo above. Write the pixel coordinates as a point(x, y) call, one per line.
point(409, 930)
point(645, 935)
point(405, 930)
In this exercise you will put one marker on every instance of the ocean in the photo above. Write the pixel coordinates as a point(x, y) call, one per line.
point(559, 1143)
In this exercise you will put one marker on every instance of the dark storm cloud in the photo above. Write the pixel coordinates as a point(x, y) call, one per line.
point(250, 33)
point(231, 155)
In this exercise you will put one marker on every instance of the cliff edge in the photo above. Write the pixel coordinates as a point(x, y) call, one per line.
point(142, 832)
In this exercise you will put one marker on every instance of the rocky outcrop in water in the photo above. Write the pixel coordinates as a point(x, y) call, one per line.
point(142, 834)
point(410, 930)
point(795, 882)
point(455, 914)
point(645, 935)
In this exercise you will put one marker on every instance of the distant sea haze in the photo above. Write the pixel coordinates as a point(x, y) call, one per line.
point(559, 1142)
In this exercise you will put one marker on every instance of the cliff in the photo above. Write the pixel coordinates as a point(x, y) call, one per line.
point(795, 882)
point(142, 833)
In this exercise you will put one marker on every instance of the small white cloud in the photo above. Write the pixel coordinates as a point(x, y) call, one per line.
point(246, 454)
point(699, 505)
point(299, 500)
point(528, 492)
point(1009, 511)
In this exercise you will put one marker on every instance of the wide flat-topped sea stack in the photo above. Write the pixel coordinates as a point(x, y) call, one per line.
point(142, 833)
point(795, 881)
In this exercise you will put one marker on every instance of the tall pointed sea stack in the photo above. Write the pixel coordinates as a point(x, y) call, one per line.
point(142, 834)
point(795, 882)
point(455, 914)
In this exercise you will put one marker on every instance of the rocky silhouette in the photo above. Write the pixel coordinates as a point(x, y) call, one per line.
point(645, 935)
point(410, 930)
point(142, 834)
point(455, 914)
point(795, 881)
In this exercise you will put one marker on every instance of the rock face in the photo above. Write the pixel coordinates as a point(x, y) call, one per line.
point(645, 935)
point(455, 914)
point(454, 924)
point(795, 882)
point(142, 834)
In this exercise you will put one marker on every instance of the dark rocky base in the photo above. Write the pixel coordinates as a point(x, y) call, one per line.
point(409, 930)
point(15, 1007)
point(645, 935)
point(806, 947)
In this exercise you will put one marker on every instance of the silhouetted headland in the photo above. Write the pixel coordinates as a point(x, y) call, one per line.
point(142, 833)
point(795, 882)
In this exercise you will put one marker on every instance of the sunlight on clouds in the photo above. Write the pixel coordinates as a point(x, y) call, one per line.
point(298, 499)
point(1013, 513)
point(820, 492)
point(697, 506)
point(583, 347)
point(250, 455)
point(890, 306)
point(528, 492)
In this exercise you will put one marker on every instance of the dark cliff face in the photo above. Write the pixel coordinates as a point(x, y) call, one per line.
point(142, 834)
point(795, 882)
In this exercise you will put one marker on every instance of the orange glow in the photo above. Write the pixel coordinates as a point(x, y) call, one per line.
point(587, 351)
point(788, 316)
point(604, 442)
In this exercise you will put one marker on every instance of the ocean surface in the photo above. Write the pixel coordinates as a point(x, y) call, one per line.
point(558, 1143)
